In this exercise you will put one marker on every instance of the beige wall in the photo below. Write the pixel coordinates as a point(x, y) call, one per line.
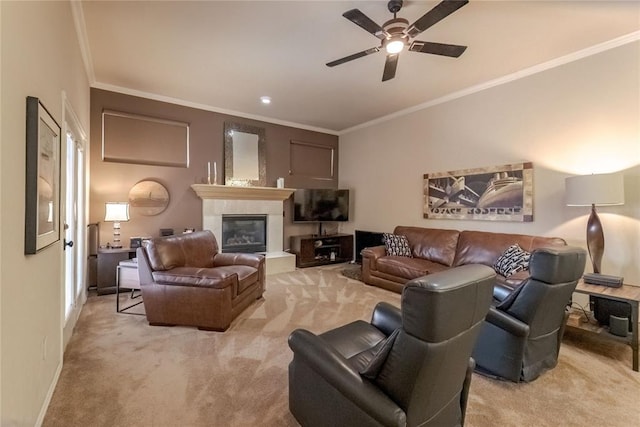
point(111, 181)
point(578, 118)
point(40, 57)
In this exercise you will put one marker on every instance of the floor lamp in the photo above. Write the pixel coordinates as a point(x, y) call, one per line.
point(116, 212)
point(595, 190)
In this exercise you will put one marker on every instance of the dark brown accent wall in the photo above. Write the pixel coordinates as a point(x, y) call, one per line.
point(111, 181)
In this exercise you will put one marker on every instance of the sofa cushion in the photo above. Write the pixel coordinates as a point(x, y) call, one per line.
point(480, 247)
point(219, 277)
point(433, 244)
point(408, 268)
point(513, 260)
point(194, 276)
point(247, 275)
point(396, 245)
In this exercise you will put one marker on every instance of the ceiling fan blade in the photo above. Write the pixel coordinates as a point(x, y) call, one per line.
point(390, 66)
point(352, 57)
point(452, 50)
point(364, 22)
point(438, 13)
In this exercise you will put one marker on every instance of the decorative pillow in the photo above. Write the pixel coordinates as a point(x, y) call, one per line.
point(373, 368)
point(514, 259)
point(397, 245)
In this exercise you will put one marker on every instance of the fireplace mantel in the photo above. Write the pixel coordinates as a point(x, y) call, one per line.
point(228, 192)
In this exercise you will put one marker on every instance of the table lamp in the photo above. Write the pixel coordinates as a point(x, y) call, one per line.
point(116, 212)
point(595, 190)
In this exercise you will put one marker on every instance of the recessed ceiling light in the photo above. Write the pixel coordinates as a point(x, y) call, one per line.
point(265, 99)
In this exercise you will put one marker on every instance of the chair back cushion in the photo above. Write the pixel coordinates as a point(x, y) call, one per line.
point(557, 264)
point(186, 250)
point(540, 301)
point(441, 317)
point(442, 305)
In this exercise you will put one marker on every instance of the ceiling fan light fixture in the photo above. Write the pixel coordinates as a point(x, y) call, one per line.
point(395, 46)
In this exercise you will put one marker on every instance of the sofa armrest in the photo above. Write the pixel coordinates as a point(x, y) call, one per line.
point(369, 260)
point(336, 370)
point(386, 317)
point(374, 252)
point(508, 323)
point(230, 258)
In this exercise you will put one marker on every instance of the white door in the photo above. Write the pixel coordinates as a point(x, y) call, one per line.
point(75, 221)
point(72, 279)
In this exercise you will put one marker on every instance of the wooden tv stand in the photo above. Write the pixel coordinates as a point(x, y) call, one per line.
point(312, 249)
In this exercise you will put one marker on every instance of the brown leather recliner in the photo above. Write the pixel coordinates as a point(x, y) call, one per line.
point(408, 367)
point(186, 281)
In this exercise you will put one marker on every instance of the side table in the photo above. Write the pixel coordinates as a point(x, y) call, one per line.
point(127, 278)
point(627, 294)
point(108, 259)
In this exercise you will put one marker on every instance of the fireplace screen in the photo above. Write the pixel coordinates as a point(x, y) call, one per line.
point(244, 233)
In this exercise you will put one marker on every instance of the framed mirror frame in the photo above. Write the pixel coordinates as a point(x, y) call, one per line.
point(229, 177)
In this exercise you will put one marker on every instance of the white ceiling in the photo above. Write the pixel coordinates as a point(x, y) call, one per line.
point(223, 56)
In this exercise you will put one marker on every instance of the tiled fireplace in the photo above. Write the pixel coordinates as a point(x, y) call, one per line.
point(267, 202)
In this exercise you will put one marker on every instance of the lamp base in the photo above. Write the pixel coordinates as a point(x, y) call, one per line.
point(595, 240)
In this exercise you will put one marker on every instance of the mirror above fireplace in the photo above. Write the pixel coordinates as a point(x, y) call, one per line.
point(244, 155)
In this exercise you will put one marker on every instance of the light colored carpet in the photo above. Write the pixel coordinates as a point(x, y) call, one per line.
point(119, 371)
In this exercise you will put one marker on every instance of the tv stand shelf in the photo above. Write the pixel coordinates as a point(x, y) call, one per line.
point(312, 250)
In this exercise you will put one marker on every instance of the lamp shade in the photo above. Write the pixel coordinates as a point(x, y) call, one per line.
point(116, 211)
point(598, 190)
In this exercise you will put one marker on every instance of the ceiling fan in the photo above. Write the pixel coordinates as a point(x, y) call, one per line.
point(396, 33)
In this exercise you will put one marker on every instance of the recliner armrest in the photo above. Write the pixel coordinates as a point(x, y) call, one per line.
point(507, 322)
point(336, 370)
point(386, 317)
point(501, 292)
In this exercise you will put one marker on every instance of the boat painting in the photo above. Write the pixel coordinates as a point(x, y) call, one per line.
point(503, 193)
point(148, 198)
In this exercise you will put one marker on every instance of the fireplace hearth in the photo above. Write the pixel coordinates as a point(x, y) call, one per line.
point(244, 233)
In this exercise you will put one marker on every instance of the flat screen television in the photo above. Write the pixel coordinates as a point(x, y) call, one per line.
point(320, 205)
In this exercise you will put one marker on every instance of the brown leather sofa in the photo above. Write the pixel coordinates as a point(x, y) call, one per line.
point(436, 250)
point(186, 281)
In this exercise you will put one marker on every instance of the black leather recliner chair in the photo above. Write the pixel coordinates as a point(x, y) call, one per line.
point(407, 367)
point(521, 335)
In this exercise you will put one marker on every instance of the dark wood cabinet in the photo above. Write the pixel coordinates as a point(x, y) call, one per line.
point(108, 260)
point(312, 250)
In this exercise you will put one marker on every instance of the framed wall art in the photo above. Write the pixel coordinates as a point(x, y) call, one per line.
point(497, 193)
point(42, 195)
point(148, 198)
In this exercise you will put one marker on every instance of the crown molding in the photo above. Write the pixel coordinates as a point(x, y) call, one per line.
point(83, 39)
point(566, 59)
point(205, 107)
